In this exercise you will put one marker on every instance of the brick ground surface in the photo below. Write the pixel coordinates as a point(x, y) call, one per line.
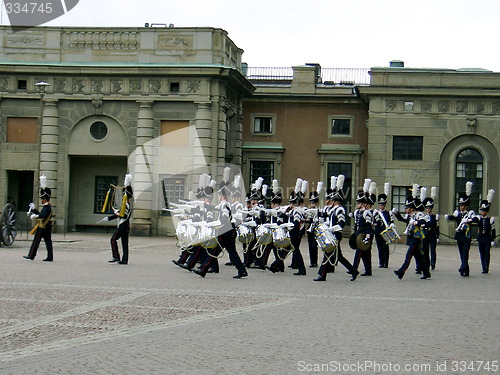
point(81, 315)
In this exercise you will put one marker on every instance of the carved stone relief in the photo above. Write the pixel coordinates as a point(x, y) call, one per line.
point(462, 106)
point(193, 86)
point(443, 106)
point(390, 105)
point(154, 86)
point(116, 86)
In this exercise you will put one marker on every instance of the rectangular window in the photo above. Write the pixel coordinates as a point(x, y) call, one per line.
point(173, 189)
point(263, 125)
point(175, 87)
point(334, 169)
point(174, 133)
point(408, 106)
point(340, 126)
point(102, 186)
point(399, 195)
point(22, 130)
point(262, 168)
point(407, 147)
point(22, 84)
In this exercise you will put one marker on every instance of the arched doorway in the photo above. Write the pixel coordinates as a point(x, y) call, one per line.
point(466, 158)
point(97, 152)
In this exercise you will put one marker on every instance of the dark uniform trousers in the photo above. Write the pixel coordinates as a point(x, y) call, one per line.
point(249, 253)
point(383, 251)
point(463, 244)
point(122, 231)
point(226, 242)
point(313, 249)
point(46, 234)
point(261, 261)
point(414, 250)
point(366, 257)
point(484, 253)
point(326, 265)
point(278, 265)
point(297, 259)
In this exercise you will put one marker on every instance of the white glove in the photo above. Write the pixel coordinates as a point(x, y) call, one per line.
point(393, 225)
point(336, 228)
point(33, 216)
point(446, 216)
point(437, 217)
point(32, 206)
point(105, 219)
point(367, 239)
point(492, 243)
point(437, 240)
point(351, 214)
point(394, 210)
point(273, 212)
point(116, 212)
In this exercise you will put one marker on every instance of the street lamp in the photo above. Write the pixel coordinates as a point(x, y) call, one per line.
point(42, 88)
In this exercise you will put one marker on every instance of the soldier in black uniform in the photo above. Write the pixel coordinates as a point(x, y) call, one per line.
point(336, 223)
point(123, 227)
point(43, 228)
point(414, 220)
point(487, 233)
point(382, 219)
point(463, 217)
point(431, 239)
point(226, 236)
point(296, 217)
point(311, 222)
point(364, 226)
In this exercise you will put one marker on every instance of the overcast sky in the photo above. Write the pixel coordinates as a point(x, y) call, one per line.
point(334, 33)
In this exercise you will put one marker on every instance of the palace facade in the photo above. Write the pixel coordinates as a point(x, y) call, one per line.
point(84, 106)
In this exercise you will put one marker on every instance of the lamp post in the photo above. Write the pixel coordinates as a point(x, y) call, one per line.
point(42, 88)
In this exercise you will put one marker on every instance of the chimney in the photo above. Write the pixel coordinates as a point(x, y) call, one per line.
point(397, 64)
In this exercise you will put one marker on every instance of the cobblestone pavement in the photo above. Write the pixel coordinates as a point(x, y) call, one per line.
point(82, 315)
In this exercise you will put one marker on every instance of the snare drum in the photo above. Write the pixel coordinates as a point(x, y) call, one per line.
point(281, 237)
point(390, 235)
point(325, 238)
point(245, 234)
point(264, 235)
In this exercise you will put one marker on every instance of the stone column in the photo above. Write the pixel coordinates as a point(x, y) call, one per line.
point(48, 150)
point(143, 179)
point(238, 143)
point(202, 152)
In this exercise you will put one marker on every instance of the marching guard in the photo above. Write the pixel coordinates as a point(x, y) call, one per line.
point(43, 227)
point(487, 233)
point(363, 227)
point(431, 239)
point(463, 217)
point(382, 220)
point(278, 217)
point(414, 220)
point(204, 213)
point(336, 223)
point(123, 226)
point(311, 222)
point(296, 217)
point(226, 235)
